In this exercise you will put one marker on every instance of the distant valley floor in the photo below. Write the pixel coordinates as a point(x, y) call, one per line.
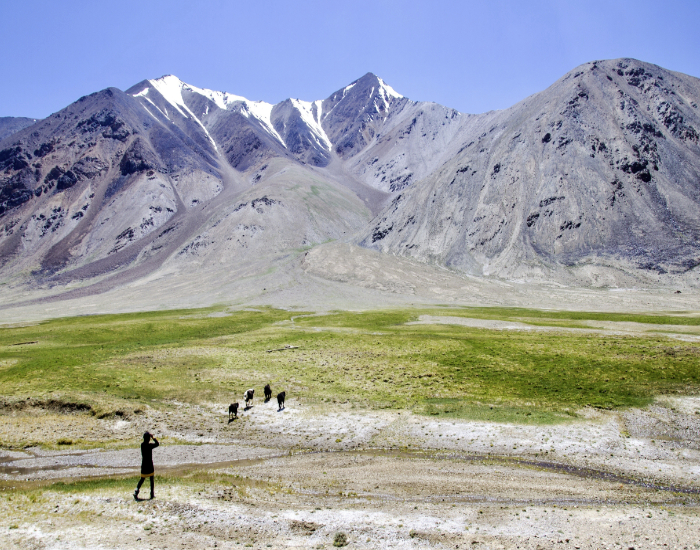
point(341, 276)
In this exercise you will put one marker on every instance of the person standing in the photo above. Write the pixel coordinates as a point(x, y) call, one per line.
point(147, 469)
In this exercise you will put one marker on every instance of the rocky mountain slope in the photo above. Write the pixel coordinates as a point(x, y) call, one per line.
point(590, 181)
point(9, 125)
point(602, 169)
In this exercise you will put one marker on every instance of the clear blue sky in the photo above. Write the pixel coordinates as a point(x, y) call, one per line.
point(470, 55)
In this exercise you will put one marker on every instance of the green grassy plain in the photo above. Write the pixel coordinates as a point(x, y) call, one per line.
point(371, 359)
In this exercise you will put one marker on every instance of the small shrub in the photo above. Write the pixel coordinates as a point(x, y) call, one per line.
point(340, 539)
point(64, 441)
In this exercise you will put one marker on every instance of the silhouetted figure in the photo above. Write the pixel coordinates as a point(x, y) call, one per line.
point(268, 393)
point(147, 469)
point(232, 410)
point(280, 400)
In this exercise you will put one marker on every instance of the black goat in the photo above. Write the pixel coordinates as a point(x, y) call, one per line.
point(280, 400)
point(232, 410)
point(268, 393)
point(248, 396)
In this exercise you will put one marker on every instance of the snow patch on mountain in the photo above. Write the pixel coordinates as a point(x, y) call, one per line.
point(150, 113)
point(311, 113)
point(348, 88)
point(165, 114)
point(388, 90)
point(262, 111)
point(223, 100)
point(170, 87)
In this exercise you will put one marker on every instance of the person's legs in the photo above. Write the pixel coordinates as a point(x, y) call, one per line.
point(152, 494)
point(138, 487)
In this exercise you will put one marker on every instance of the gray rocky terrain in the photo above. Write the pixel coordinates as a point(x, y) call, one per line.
point(9, 125)
point(386, 479)
point(598, 173)
point(592, 183)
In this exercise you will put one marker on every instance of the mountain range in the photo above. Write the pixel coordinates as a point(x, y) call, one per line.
point(593, 182)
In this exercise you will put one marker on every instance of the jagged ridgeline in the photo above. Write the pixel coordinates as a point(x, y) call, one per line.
point(598, 174)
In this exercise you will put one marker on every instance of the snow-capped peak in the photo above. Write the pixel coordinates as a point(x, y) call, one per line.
point(222, 99)
point(370, 79)
point(262, 112)
point(171, 88)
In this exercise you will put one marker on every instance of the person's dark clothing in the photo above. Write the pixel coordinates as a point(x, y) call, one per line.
point(138, 485)
point(147, 469)
point(147, 457)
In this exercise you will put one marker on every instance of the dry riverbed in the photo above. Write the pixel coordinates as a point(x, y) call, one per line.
point(296, 478)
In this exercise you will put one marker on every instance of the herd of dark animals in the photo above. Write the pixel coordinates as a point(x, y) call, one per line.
point(248, 398)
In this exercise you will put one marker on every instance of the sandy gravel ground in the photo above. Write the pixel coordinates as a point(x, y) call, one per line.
point(341, 276)
point(387, 479)
point(679, 332)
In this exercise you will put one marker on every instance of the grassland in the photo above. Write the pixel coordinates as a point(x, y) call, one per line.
point(371, 359)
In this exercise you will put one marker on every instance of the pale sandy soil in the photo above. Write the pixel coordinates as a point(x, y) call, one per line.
point(387, 479)
point(679, 332)
point(400, 503)
point(341, 276)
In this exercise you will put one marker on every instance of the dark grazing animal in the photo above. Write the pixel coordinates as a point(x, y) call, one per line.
point(248, 396)
point(280, 400)
point(268, 393)
point(233, 410)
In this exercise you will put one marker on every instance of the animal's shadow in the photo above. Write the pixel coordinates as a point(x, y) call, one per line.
point(232, 419)
point(267, 399)
point(248, 407)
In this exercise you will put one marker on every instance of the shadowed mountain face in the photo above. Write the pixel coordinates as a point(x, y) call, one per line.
point(92, 183)
point(9, 125)
point(599, 171)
